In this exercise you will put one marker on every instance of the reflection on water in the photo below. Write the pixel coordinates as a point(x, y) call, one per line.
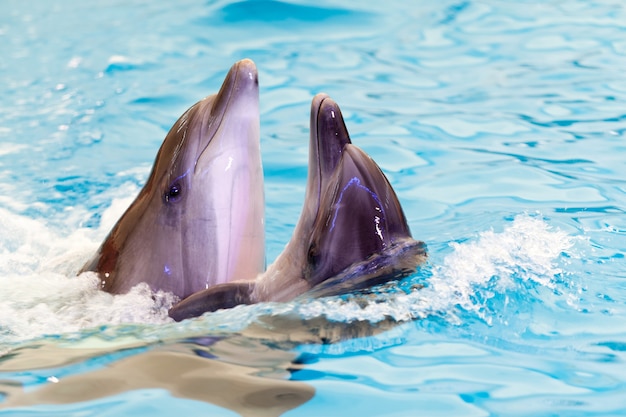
point(250, 391)
point(248, 373)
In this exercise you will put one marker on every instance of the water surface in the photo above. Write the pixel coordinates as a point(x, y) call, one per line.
point(500, 125)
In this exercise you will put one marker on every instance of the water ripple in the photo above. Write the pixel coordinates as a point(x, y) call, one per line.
point(478, 112)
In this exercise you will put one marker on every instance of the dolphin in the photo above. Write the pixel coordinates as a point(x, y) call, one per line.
point(352, 232)
point(198, 221)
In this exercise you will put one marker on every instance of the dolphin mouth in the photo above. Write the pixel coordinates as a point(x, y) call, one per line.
point(240, 85)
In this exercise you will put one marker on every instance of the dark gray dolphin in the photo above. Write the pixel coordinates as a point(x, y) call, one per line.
point(198, 221)
point(352, 232)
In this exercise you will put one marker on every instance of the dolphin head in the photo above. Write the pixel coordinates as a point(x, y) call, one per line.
point(198, 221)
point(357, 231)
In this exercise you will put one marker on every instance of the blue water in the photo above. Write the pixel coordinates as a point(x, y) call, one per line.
point(500, 124)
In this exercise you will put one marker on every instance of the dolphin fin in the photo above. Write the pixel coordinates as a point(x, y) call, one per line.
point(227, 295)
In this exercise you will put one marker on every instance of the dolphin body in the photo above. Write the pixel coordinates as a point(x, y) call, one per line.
point(198, 221)
point(352, 232)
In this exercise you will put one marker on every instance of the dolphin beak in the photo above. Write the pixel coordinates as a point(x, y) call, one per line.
point(236, 102)
point(329, 135)
point(332, 135)
point(241, 82)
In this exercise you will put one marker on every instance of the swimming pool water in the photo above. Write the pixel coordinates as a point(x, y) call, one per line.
point(500, 125)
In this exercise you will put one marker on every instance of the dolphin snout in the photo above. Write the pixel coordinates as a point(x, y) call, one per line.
point(246, 70)
point(244, 76)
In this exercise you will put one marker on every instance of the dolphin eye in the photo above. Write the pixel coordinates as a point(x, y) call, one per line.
point(174, 194)
point(313, 255)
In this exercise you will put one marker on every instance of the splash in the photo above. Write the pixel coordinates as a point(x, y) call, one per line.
point(528, 250)
point(41, 294)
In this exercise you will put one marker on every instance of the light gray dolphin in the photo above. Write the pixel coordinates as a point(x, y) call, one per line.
point(198, 221)
point(352, 232)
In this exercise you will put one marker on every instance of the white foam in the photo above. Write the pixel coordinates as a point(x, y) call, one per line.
point(526, 250)
point(41, 293)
